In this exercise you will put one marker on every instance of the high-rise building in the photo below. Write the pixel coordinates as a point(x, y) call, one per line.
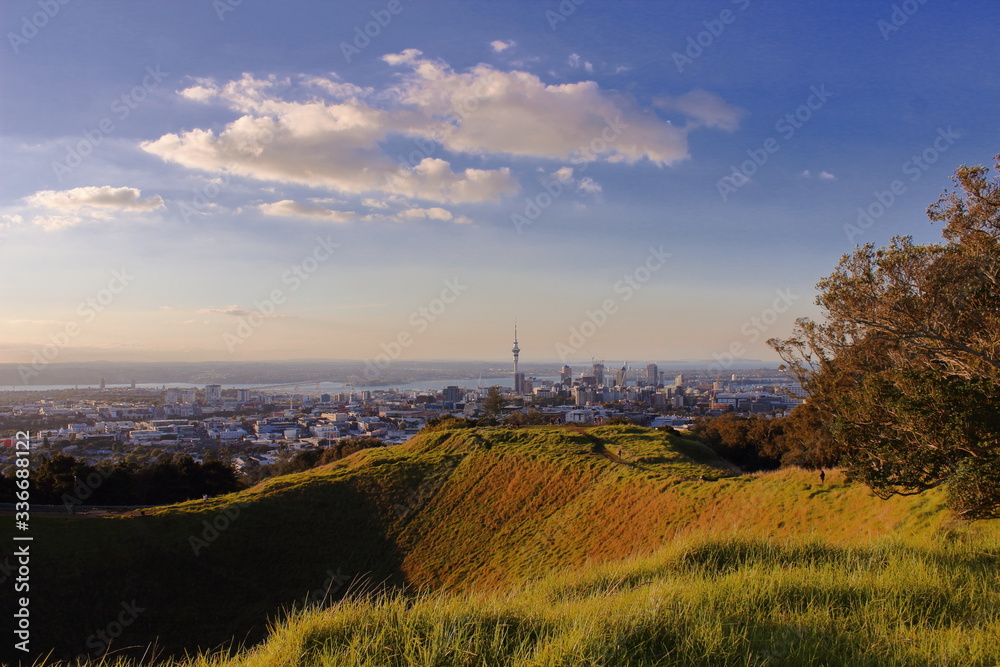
point(103, 384)
point(679, 380)
point(566, 375)
point(620, 376)
point(213, 393)
point(652, 374)
point(452, 394)
point(243, 395)
point(598, 373)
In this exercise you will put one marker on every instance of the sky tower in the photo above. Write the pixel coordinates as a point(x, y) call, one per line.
point(516, 350)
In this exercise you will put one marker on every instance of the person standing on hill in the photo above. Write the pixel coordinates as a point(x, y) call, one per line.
point(822, 476)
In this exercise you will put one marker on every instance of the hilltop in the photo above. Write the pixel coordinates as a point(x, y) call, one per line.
point(460, 514)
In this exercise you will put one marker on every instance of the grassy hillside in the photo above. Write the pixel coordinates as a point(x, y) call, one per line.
point(468, 514)
point(713, 603)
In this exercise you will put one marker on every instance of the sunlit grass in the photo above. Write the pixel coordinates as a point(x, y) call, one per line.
point(527, 547)
point(713, 602)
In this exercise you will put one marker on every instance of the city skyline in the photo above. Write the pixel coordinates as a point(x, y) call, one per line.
point(240, 181)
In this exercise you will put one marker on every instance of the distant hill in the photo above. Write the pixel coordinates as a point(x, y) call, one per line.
point(458, 511)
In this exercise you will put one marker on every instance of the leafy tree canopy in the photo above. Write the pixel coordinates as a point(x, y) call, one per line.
point(907, 360)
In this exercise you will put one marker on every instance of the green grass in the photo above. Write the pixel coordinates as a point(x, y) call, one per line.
point(716, 602)
point(523, 546)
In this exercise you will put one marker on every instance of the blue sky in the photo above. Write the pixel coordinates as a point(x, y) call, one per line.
point(269, 185)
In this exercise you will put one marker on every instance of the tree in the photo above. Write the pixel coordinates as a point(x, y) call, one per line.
point(907, 361)
point(530, 417)
point(740, 440)
point(804, 439)
point(493, 405)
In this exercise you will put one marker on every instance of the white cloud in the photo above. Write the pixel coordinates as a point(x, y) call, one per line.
point(492, 112)
point(8, 221)
point(338, 89)
point(823, 175)
point(293, 209)
point(333, 145)
point(563, 174)
point(94, 197)
point(433, 179)
point(237, 311)
point(434, 213)
point(707, 109)
point(576, 62)
point(332, 136)
point(500, 46)
point(59, 209)
point(234, 310)
point(585, 184)
point(203, 91)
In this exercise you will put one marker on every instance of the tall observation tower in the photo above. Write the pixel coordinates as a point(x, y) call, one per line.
point(516, 350)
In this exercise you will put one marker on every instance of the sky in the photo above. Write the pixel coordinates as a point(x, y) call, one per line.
point(401, 179)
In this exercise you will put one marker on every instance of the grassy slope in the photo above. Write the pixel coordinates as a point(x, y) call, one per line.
point(453, 511)
point(717, 602)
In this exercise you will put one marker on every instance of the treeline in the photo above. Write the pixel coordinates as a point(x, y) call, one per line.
point(63, 480)
point(754, 443)
point(309, 459)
